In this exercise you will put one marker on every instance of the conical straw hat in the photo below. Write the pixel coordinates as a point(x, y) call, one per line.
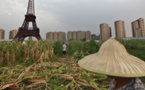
point(113, 59)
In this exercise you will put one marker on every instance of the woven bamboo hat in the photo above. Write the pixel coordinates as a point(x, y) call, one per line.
point(113, 59)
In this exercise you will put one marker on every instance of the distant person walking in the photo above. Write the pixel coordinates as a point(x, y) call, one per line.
point(64, 49)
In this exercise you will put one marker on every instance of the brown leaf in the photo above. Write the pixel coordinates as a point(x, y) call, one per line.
point(24, 72)
point(8, 86)
point(37, 83)
point(64, 76)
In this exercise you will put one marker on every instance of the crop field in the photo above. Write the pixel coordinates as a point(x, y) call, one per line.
point(40, 65)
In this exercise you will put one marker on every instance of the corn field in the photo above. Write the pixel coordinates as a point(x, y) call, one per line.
point(40, 66)
point(33, 65)
point(31, 51)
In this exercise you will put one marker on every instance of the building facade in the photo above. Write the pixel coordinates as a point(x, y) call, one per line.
point(83, 35)
point(2, 34)
point(120, 29)
point(74, 35)
point(78, 35)
point(138, 29)
point(56, 36)
point(12, 34)
point(105, 32)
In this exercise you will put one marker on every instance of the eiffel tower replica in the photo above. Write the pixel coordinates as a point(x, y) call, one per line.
point(25, 31)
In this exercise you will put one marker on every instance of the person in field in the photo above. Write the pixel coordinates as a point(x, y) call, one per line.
point(64, 48)
point(114, 61)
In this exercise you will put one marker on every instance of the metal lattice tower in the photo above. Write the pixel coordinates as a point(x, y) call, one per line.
point(30, 9)
point(25, 30)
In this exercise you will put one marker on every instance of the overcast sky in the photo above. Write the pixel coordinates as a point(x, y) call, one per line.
point(69, 15)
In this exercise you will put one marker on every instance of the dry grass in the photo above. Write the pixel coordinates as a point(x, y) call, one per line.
point(63, 74)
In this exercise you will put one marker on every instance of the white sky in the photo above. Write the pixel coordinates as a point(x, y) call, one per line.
point(68, 15)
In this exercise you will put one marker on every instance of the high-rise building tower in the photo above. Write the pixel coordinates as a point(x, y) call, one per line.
point(2, 34)
point(61, 36)
point(88, 35)
point(138, 29)
point(78, 35)
point(49, 36)
point(105, 31)
point(69, 35)
point(120, 29)
point(12, 34)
